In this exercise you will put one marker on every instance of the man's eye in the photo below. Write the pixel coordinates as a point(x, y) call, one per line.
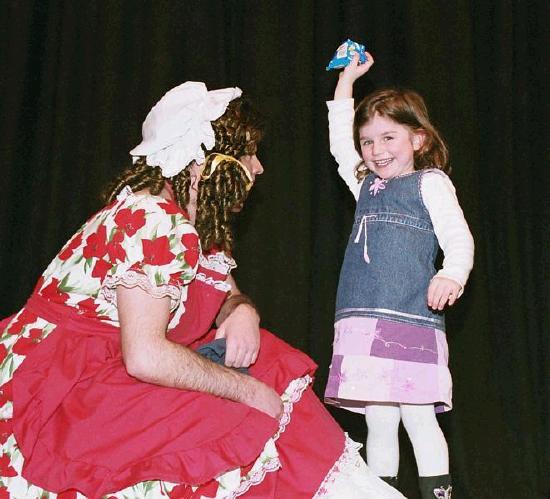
point(367, 142)
point(388, 138)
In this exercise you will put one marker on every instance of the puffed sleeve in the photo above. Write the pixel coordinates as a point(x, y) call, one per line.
point(156, 248)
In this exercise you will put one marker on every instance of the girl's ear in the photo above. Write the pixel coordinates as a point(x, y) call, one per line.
point(418, 139)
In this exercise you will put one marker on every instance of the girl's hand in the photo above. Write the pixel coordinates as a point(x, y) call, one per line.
point(354, 70)
point(442, 291)
point(347, 77)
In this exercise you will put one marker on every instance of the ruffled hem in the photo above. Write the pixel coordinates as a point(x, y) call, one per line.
point(238, 445)
point(217, 262)
point(132, 279)
point(351, 478)
point(217, 283)
point(266, 461)
point(225, 453)
point(347, 458)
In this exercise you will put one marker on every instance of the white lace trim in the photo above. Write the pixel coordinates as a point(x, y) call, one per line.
point(351, 478)
point(268, 460)
point(131, 279)
point(346, 459)
point(221, 285)
point(124, 193)
point(291, 395)
point(218, 262)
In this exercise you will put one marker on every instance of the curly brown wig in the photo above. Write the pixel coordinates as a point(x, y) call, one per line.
point(407, 108)
point(237, 133)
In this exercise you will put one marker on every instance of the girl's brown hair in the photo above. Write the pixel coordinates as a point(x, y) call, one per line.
point(237, 133)
point(407, 108)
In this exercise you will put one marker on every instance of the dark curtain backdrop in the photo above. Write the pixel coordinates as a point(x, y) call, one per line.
point(78, 78)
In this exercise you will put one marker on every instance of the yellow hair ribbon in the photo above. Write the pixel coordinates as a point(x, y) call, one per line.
point(218, 158)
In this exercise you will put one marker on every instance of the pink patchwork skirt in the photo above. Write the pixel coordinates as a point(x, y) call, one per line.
point(376, 360)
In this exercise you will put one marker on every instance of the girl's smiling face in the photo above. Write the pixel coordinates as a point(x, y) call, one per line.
point(388, 147)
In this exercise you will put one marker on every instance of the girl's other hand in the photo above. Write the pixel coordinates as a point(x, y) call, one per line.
point(442, 291)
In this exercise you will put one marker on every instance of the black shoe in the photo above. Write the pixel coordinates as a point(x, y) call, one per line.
point(438, 487)
point(391, 480)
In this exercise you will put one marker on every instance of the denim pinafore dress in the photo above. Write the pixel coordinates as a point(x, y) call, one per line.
point(389, 346)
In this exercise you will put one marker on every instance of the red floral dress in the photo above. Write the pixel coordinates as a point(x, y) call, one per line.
point(73, 423)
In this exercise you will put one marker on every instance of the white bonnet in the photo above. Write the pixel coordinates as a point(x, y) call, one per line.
point(179, 123)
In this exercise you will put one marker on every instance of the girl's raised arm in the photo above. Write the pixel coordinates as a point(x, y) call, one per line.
point(340, 122)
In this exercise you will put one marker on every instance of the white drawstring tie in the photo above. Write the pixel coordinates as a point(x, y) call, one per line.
point(362, 224)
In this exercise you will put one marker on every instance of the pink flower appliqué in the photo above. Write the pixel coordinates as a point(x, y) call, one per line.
point(408, 385)
point(378, 185)
point(342, 377)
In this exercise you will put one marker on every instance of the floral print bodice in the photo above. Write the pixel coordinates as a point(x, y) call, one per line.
point(139, 240)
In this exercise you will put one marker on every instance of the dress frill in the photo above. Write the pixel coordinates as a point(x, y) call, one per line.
point(83, 423)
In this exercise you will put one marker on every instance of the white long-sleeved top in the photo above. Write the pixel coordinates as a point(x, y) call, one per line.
point(438, 195)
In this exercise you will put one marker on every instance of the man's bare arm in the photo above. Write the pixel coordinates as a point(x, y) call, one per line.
point(151, 357)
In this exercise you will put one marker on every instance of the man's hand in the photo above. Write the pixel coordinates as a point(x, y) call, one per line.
point(266, 400)
point(241, 329)
point(442, 291)
point(239, 323)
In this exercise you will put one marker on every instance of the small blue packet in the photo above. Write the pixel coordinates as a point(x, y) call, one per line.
point(344, 54)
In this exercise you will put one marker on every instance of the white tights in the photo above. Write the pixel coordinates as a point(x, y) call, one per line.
point(429, 444)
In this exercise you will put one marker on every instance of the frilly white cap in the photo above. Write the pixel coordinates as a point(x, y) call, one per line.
point(179, 123)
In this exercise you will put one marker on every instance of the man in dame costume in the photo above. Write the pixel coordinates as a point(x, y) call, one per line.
point(113, 383)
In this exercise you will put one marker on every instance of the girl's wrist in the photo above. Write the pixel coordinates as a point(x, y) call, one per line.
point(344, 87)
point(343, 92)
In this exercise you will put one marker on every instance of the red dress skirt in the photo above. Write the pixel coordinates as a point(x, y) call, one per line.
point(82, 423)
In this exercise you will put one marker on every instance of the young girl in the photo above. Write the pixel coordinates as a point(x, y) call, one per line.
point(390, 351)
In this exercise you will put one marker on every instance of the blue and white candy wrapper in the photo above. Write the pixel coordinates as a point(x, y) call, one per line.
point(344, 54)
